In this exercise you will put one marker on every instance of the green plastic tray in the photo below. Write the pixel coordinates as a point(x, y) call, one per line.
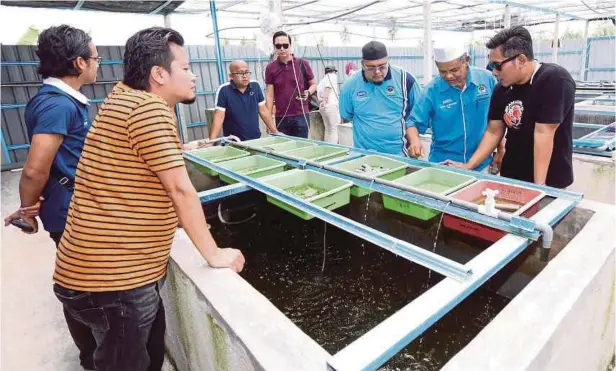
point(436, 180)
point(393, 170)
point(288, 146)
point(319, 153)
point(338, 191)
point(216, 155)
point(252, 166)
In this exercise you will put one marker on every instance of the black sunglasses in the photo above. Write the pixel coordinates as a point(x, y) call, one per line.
point(499, 65)
point(281, 46)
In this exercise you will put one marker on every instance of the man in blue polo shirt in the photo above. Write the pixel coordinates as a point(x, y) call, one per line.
point(57, 122)
point(455, 106)
point(379, 101)
point(239, 103)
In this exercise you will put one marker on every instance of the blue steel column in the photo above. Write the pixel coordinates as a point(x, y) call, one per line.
point(587, 46)
point(179, 117)
point(221, 69)
point(5, 150)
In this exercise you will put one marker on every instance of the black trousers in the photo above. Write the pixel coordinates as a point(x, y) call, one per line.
point(146, 349)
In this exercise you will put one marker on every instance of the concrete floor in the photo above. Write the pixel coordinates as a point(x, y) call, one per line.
point(34, 335)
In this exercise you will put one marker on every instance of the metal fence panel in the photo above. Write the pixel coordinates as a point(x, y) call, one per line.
point(599, 65)
point(601, 59)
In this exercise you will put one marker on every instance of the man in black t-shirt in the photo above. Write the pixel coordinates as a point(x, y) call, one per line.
point(534, 102)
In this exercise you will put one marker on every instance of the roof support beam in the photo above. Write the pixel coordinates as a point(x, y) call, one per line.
point(583, 61)
point(427, 46)
point(163, 6)
point(300, 5)
point(535, 8)
point(555, 40)
point(507, 16)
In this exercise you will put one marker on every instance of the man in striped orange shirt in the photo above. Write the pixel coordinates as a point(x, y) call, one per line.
point(131, 188)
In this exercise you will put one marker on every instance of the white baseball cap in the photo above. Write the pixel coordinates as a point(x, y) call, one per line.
point(449, 53)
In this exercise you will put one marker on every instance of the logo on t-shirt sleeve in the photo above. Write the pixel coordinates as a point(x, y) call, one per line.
point(513, 114)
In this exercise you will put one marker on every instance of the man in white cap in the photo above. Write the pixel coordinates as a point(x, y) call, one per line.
point(455, 106)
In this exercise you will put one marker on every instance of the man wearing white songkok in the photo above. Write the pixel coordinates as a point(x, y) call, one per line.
point(455, 106)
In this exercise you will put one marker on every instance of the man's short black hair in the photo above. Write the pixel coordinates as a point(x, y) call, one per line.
point(514, 40)
point(146, 49)
point(58, 47)
point(280, 33)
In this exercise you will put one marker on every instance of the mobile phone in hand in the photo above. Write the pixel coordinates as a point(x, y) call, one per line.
point(21, 224)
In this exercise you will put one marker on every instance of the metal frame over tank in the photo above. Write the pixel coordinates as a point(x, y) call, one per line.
point(386, 339)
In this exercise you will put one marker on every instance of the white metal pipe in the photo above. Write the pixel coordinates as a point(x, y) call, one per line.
point(555, 41)
point(278, 10)
point(507, 16)
point(427, 46)
point(584, 53)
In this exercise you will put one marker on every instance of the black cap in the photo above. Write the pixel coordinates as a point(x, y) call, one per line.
point(330, 69)
point(374, 50)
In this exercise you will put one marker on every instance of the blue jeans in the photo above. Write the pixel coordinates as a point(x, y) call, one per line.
point(295, 126)
point(128, 327)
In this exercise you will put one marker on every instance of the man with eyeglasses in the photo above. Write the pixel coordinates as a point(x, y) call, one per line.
point(131, 191)
point(379, 101)
point(535, 103)
point(455, 106)
point(57, 120)
point(239, 103)
point(289, 83)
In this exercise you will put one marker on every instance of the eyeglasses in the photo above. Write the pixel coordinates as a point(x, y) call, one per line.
point(281, 46)
point(97, 59)
point(382, 68)
point(499, 65)
point(243, 73)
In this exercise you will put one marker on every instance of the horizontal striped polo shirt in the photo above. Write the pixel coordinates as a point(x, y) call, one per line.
point(121, 222)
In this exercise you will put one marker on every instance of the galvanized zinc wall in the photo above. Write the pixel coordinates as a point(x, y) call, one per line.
point(600, 60)
point(569, 56)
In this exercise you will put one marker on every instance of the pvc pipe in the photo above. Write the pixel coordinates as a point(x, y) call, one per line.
point(427, 46)
point(219, 62)
point(555, 40)
point(583, 61)
point(507, 16)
